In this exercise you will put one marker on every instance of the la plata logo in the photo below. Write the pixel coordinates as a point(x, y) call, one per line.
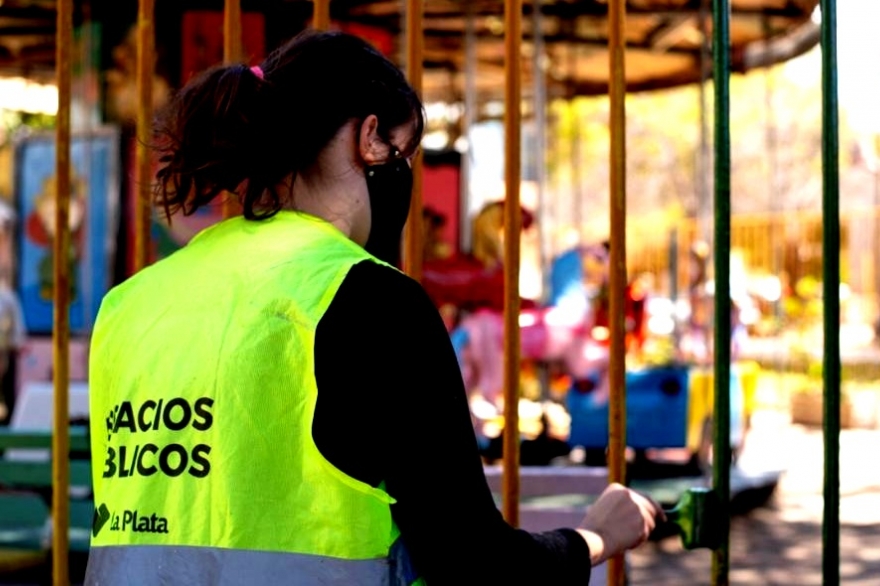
point(102, 515)
point(130, 520)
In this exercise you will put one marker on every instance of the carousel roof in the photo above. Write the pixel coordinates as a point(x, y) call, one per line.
point(665, 39)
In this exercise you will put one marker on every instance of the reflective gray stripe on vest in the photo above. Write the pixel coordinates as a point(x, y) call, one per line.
point(149, 565)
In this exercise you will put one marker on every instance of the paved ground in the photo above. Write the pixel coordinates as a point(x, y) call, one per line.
point(781, 542)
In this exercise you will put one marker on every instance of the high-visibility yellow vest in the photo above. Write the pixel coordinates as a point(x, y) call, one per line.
point(202, 390)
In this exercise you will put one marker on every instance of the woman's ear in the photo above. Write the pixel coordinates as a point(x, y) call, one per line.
point(373, 148)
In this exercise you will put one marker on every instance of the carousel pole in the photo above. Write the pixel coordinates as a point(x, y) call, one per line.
point(321, 15)
point(231, 54)
point(831, 297)
point(61, 295)
point(540, 89)
point(617, 269)
point(704, 203)
point(413, 240)
point(232, 31)
point(577, 196)
point(512, 223)
point(721, 452)
point(470, 118)
point(545, 220)
point(143, 168)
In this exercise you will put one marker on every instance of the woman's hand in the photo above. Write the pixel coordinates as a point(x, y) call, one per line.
point(621, 519)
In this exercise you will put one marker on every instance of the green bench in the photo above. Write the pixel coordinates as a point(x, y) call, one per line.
point(26, 490)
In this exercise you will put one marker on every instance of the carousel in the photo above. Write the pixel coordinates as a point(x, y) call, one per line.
point(550, 370)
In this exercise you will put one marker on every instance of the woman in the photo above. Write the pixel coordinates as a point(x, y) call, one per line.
point(273, 403)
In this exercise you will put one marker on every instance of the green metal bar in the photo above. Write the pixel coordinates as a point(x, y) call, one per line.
point(721, 449)
point(831, 295)
point(29, 438)
point(28, 474)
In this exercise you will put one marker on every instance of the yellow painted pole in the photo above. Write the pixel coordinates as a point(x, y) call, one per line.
point(414, 238)
point(232, 53)
point(61, 297)
point(617, 269)
point(143, 171)
point(321, 15)
point(232, 31)
point(512, 222)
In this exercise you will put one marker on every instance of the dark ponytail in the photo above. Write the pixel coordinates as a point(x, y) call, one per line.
point(230, 130)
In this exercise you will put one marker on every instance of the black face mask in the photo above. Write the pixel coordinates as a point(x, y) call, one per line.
point(390, 188)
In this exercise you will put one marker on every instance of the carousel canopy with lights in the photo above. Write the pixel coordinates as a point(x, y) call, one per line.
point(666, 39)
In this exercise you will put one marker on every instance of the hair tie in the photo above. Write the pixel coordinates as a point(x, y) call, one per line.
point(256, 70)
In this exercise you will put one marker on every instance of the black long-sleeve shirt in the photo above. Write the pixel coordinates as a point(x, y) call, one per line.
point(392, 407)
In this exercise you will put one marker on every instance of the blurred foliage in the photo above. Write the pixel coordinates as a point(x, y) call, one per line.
point(12, 123)
point(775, 122)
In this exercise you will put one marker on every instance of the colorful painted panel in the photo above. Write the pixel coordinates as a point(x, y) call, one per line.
point(93, 221)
